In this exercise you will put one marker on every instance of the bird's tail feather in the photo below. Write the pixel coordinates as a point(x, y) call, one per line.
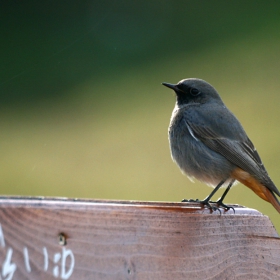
point(257, 187)
point(272, 199)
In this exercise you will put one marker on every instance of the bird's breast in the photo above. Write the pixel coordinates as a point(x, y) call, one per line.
point(193, 157)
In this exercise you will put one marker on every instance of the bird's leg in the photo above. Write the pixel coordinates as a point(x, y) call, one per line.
point(206, 201)
point(220, 200)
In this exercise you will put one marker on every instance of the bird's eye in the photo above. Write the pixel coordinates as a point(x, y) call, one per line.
point(194, 91)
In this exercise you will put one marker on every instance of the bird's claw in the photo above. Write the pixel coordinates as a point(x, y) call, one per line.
point(204, 203)
point(190, 200)
point(220, 203)
point(211, 207)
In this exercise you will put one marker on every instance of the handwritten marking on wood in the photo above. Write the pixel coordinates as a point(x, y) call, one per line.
point(46, 258)
point(9, 267)
point(67, 254)
point(133, 240)
point(2, 240)
point(26, 259)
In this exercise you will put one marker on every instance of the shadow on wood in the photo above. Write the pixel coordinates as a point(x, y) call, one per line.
point(47, 238)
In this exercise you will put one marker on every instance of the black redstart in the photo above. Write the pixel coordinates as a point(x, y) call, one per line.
point(208, 143)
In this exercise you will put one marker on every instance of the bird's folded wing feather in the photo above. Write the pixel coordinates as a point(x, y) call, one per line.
point(241, 153)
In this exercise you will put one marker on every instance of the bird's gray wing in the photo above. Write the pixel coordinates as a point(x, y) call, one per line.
point(241, 153)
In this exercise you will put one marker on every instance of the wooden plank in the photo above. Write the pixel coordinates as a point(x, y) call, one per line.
point(96, 239)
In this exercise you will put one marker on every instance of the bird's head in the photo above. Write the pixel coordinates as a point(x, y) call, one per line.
point(194, 91)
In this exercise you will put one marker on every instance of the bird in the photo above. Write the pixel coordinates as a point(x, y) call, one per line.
point(208, 143)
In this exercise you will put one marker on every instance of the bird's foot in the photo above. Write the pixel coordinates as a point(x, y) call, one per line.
point(190, 200)
point(204, 202)
point(220, 203)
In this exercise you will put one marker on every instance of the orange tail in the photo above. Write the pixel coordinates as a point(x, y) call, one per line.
point(262, 191)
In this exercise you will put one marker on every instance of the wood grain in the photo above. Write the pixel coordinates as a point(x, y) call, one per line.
point(133, 240)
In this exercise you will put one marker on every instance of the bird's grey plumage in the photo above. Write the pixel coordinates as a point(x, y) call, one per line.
point(206, 139)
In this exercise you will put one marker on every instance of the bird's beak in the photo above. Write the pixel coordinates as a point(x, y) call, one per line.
point(172, 86)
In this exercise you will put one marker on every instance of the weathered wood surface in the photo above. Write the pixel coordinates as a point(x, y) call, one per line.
point(133, 240)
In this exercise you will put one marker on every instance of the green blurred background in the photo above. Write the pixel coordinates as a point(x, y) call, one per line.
point(84, 114)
